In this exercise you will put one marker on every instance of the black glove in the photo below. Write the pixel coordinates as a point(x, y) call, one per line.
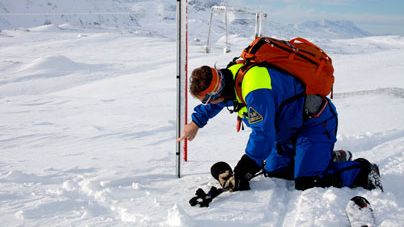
point(245, 169)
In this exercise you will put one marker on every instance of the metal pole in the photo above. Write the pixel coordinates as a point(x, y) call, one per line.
point(182, 71)
point(178, 101)
point(185, 74)
point(256, 24)
point(226, 48)
point(207, 47)
point(259, 24)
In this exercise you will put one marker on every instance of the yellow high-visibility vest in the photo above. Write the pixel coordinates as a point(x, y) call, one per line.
point(256, 78)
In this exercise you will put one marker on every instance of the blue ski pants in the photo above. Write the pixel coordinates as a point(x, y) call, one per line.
point(307, 157)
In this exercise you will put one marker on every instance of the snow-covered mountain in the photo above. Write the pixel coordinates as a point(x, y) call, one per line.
point(329, 28)
point(88, 13)
point(131, 15)
point(142, 16)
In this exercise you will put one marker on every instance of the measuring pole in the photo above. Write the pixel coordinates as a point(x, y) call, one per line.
point(182, 80)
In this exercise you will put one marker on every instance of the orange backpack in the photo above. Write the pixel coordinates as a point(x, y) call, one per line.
point(299, 57)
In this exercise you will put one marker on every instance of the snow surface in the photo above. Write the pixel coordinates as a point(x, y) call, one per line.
point(87, 134)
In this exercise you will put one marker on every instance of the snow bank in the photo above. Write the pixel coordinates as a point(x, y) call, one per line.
point(47, 74)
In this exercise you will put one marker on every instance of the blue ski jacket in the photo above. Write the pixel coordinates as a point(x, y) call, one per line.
point(274, 109)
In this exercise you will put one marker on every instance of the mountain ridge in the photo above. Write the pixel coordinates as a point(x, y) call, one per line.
point(157, 17)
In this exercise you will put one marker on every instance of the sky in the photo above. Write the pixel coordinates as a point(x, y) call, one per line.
point(374, 16)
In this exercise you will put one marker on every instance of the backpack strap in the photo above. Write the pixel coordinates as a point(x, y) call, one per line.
point(239, 81)
point(233, 62)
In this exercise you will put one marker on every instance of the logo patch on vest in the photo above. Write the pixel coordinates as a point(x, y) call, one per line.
point(254, 116)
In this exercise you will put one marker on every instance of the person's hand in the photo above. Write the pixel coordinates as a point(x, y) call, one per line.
point(190, 131)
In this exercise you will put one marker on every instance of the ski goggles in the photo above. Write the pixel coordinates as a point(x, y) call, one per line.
point(215, 88)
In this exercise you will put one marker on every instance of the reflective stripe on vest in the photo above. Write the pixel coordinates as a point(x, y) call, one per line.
point(255, 78)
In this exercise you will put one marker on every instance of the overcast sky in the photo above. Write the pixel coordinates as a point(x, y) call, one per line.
point(375, 16)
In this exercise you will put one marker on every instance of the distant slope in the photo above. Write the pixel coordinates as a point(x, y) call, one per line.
point(157, 18)
point(335, 29)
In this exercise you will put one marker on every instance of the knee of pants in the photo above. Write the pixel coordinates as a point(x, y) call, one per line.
point(283, 173)
point(312, 158)
point(314, 151)
point(279, 166)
